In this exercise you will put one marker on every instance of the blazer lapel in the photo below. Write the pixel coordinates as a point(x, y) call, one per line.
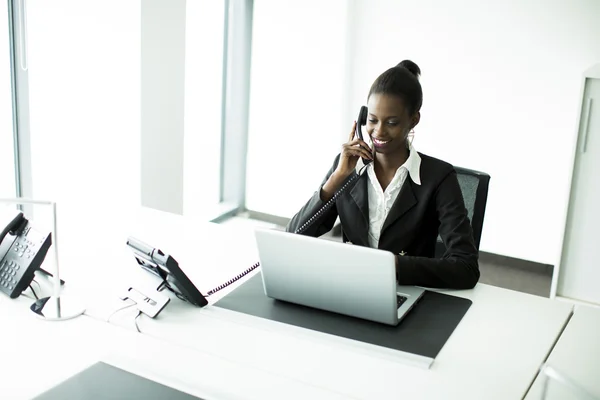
point(361, 198)
point(405, 201)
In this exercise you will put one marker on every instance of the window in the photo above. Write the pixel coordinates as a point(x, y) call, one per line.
point(84, 93)
point(7, 159)
point(297, 94)
point(204, 33)
point(84, 108)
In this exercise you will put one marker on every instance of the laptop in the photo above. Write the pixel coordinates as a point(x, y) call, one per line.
point(333, 276)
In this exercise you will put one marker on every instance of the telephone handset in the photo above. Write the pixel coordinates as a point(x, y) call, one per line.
point(14, 225)
point(22, 251)
point(360, 121)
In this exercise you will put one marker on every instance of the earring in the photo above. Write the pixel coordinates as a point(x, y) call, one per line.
point(409, 138)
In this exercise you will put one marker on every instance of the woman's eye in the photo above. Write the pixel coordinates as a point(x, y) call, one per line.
point(373, 121)
point(392, 123)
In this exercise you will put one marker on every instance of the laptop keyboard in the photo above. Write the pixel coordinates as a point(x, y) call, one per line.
point(401, 299)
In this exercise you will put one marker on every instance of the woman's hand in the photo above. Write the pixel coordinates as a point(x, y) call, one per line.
point(351, 151)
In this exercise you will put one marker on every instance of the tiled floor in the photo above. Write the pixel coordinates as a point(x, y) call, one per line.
point(495, 270)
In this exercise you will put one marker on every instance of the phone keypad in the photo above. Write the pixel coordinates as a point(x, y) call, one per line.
point(28, 247)
point(8, 271)
point(23, 249)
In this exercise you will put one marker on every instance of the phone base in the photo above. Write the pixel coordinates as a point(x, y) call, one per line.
point(57, 308)
point(151, 306)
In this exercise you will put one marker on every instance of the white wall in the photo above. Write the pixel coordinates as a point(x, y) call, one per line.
point(501, 86)
point(182, 69)
point(501, 83)
point(163, 94)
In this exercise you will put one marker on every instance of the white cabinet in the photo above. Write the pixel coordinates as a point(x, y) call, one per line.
point(578, 276)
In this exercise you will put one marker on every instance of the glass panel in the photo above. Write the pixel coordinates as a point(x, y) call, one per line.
point(84, 98)
point(556, 386)
point(296, 124)
point(203, 97)
point(7, 160)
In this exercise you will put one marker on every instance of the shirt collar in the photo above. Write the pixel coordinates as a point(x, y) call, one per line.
point(413, 165)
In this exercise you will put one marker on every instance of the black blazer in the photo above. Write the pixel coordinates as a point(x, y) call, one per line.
point(411, 229)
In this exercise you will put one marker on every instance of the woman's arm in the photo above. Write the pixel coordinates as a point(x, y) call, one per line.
point(325, 192)
point(459, 267)
point(342, 169)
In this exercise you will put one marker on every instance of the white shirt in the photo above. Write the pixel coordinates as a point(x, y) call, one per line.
point(381, 202)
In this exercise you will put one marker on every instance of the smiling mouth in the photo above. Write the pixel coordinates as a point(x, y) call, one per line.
point(379, 142)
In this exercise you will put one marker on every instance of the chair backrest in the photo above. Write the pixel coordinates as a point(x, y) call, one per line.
point(474, 187)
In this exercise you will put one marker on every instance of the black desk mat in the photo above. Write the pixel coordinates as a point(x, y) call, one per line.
point(423, 331)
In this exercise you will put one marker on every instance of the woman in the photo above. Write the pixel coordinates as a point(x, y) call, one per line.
point(403, 198)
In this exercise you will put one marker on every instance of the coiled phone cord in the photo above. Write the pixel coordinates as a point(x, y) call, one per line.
point(300, 230)
point(234, 279)
point(327, 205)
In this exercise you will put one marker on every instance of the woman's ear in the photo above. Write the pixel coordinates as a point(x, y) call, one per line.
point(415, 120)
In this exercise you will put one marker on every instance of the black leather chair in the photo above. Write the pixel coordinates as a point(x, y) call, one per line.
point(474, 186)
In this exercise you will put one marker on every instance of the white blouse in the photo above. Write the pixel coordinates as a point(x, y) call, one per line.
point(381, 202)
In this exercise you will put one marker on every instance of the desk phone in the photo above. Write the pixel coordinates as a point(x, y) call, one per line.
point(22, 251)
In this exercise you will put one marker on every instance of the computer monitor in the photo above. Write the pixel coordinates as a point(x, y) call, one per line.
point(165, 267)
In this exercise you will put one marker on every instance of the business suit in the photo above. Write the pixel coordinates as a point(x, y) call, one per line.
point(411, 228)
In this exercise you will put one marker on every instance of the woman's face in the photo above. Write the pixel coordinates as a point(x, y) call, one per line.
point(388, 123)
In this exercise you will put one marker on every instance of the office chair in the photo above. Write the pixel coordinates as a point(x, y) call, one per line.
point(474, 188)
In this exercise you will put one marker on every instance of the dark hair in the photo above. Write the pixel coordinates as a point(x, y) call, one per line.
point(402, 81)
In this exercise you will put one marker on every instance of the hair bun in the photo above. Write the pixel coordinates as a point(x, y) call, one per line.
point(411, 66)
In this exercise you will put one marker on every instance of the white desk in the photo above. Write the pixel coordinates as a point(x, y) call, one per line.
point(576, 356)
point(494, 353)
point(37, 355)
